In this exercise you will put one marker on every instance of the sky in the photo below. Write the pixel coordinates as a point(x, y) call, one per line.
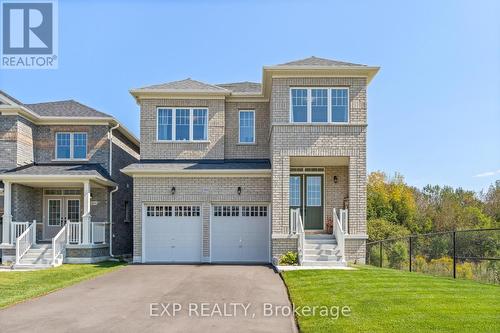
point(433, 109)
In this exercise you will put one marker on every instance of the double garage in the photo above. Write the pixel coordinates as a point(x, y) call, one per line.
point(236, 233)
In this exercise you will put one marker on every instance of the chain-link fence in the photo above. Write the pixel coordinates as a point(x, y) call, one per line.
point(466, 254)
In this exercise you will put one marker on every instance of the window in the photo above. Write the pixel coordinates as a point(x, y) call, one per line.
point(294, 191)
point(200, 124)
point(182, 120)
point(226, 211)
point(71, 146)
point(339, 105)
point(169, 211)
point(182, 124)
point(164, 124)
point(247, 126)
point(313, 191)
point(319, 105)
point(299, 105)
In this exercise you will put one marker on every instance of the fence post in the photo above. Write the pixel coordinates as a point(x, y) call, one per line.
point(410, 248)
point(454, 255)
point(380, 253)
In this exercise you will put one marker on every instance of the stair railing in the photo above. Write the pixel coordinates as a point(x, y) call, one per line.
point(59, 243)
point(339, 232)
point(298, 229)
point(25, 240)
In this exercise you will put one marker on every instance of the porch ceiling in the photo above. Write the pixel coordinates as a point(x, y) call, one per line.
point(319, 161)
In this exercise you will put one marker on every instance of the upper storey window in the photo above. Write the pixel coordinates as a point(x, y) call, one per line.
point(182, 124)
point(71, 146)
point(247, 126)
point(319, 105)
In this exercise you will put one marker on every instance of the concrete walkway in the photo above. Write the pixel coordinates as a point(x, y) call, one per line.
point(160, 298)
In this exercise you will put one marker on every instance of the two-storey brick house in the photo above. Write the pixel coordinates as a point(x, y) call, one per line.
point(243, 172)
point(61, 183)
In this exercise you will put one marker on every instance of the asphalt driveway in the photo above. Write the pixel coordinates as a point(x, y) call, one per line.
point(161, 298)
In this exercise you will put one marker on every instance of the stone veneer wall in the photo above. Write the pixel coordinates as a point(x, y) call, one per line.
point(200, 190)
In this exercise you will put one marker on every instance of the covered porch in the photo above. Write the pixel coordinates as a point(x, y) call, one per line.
point(62, 212)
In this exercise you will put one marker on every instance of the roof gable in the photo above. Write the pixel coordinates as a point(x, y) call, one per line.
point(245, 87)
point(187, 85)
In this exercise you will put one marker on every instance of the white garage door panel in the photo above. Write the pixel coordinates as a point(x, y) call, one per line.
point(173, 238)
point(240, 238)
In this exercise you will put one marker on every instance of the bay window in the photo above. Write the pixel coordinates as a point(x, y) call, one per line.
point(319, 105)
point(182, 124)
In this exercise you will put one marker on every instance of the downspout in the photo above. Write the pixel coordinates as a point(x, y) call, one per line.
point(110, 168)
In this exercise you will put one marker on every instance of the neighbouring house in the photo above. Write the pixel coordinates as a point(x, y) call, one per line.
point(244, 172)
point(63, 196)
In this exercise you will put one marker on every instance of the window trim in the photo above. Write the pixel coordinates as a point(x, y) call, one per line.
point(309, 106)
point(71, 147)
point(239, 127)
point(174, 123)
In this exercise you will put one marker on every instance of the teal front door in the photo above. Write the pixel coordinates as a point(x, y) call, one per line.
point(306, 193)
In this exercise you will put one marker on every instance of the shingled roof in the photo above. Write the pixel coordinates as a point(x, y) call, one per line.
point(187, 85)
point(245, 87)
point(68, 108)
point(61, 169)
point(315, 61)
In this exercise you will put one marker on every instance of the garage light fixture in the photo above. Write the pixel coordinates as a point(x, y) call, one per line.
point(335, 179)
point(239, 190)
point(172, 190)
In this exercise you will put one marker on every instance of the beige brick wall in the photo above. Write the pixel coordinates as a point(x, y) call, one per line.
point(260, 150)
point(335, 193)
point(355, 250)
point(280, 96)
point(213, 149)
point(200, 190)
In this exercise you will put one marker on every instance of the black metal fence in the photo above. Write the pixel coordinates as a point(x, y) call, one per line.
point(467, 254)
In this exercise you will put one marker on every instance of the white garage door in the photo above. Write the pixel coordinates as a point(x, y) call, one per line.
point(240, 233)
point(172, 233)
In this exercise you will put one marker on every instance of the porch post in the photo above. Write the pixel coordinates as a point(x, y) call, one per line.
point(86, 238)
point(7, 216)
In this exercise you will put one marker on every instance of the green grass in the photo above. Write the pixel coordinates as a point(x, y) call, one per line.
point(387, 300)
point(16, 287)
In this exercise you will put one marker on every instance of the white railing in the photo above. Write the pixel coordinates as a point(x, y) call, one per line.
point(25, 240)
point(338, 230)
point(297, 227)
point(74, 230)
point(17, 229)
point(99, 232)
point(344, 220)
point(59, 244)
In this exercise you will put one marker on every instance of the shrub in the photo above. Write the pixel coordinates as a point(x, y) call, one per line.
point(289, 259)
point(397, 255)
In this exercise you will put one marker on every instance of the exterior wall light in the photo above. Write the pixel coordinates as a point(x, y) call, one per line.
point(239, 190)
point(335, 179)
point(172, 190)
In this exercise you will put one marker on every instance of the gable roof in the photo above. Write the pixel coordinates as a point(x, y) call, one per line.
point(316, 61)
point(245, 87)
point(67, 108)
point(187, 85)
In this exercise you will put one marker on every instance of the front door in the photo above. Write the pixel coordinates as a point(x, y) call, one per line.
point(306, 193)
point(58, 211)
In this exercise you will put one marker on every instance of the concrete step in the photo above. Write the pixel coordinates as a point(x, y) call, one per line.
point(320, 246)
point(43, 261)
point(323, 263)
point(41, 246)
point(319, 236)
point(321, 241)
point(317, 252)
point(32, 256)
point(28, 267)
point(322, 258)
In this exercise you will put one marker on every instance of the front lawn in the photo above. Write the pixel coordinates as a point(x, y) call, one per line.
point(19, 286)
point(387, 300)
